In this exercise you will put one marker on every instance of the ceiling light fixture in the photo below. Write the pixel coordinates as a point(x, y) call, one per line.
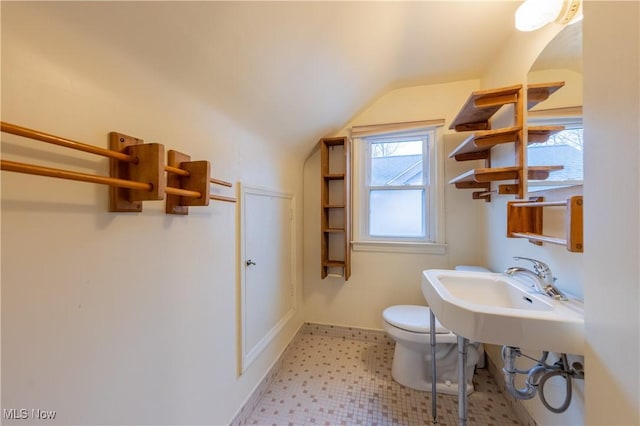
point(535, 14)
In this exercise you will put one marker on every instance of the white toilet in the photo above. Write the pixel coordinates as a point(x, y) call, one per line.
point(408, 325)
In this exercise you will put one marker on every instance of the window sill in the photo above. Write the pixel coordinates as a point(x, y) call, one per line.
point(398, 247)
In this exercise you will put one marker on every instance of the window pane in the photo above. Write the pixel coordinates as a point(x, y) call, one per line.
point(563, 148)
point(396, 163)
point(396, 213)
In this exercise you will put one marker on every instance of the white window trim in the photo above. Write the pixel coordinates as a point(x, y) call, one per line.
point(360, 242)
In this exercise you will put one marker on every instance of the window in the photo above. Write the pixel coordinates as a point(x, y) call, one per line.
point(397, 191)
point(565, 148)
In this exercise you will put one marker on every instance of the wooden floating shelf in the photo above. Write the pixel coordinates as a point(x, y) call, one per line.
point(537, 93)
point(481, 142)
point(481, 106)
point(476, 177)
point(524, 220)
point(539, 238)
point(476, 146)
point(541, 134)
point(339, 141)
point(331, 230)
point(333, 176)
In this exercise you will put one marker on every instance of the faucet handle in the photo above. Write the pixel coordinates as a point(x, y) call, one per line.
point(539, 266)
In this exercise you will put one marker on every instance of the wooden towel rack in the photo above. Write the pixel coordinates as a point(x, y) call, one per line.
point(136, 172)
point(524, 220)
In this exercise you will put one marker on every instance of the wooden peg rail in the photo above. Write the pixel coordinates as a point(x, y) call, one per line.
point(137, 172)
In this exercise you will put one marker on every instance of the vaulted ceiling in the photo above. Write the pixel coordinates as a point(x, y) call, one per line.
point(290, 71)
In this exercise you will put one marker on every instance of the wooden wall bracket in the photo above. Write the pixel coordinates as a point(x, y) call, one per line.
point(575, 224)
point(149, 168)
point(119, 197)
point(198, 180)
point(483, 195)
point(508, 189)
point(172, 203)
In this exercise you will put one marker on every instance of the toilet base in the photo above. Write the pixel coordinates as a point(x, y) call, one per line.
point(412, 367)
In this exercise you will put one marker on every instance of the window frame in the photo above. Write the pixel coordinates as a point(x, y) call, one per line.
point(433, 197)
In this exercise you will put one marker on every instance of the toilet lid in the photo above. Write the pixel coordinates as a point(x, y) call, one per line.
point(411, 318)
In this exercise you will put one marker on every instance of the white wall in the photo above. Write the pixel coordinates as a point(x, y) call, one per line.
point(569, 95)
point(512, 67)
point(379, 280)
point(99, 324)
point(120, 318)
point(612, 216)
point(609, 394)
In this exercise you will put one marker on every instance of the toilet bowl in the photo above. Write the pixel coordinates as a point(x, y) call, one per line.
point(408, 326)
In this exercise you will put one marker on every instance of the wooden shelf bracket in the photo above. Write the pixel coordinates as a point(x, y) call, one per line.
point(148, 167)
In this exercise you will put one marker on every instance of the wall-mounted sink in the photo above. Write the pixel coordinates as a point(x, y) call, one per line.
point(495, 308)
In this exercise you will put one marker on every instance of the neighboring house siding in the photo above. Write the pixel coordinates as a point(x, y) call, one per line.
point(397, 170)
point(555, 155)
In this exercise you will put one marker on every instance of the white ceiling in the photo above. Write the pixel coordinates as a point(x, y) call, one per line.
point(292, 71)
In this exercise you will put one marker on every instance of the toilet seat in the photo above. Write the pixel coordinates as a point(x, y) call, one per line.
point(412, 318)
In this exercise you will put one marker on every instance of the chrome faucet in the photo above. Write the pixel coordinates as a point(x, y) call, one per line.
point(542, 278)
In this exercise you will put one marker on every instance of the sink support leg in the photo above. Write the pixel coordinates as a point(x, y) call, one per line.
point(432, 335)
point(463, 344)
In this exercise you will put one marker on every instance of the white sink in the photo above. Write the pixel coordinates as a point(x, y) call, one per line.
point(495, 308)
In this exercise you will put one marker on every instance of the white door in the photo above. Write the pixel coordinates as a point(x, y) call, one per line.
point(268, 298)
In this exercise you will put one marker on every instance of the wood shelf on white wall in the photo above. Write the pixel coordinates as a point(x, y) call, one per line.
point(475, 115)
point(492, 174)
point(335, 169)
point(482, 142)
point(525, 220)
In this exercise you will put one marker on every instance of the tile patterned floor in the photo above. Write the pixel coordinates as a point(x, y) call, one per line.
point(331, 380)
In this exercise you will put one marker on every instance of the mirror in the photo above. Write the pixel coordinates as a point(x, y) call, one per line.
point(561, 60)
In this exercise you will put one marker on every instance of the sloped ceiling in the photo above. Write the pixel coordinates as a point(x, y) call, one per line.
point(564, 51)
point(290, 71)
